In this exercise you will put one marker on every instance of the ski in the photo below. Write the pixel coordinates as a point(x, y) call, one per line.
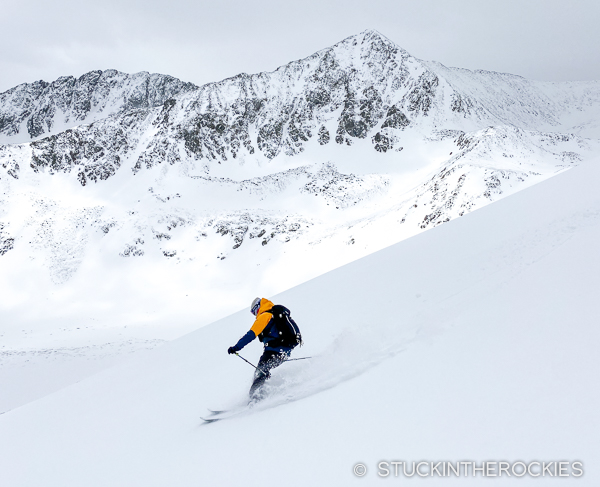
point(218, 415)
point(210, 420)
point(207, 420)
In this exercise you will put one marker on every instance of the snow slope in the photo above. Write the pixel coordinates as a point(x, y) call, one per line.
point(476, 340)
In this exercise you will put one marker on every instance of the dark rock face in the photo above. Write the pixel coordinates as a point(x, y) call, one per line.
point(6, 241)
point(323, 135)
point(41, 107)
point(461, 104)
point(9, 162)
point(262, 227)
point(422, 95)
point(395, 119)
point(359, 115)
point(381, 142)
point(95, 151)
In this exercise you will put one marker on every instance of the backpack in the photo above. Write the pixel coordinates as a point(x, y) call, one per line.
point(282, 330)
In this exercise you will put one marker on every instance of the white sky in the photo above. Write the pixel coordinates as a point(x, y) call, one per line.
point(207, 41)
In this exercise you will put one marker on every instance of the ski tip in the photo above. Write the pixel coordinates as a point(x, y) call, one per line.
point(209, 420)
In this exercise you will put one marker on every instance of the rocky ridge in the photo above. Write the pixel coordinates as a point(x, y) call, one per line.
point(364, 88)
point(32, 110)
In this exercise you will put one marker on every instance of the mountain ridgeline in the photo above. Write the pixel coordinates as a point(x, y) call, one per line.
point(364, 87)
point(33, 110)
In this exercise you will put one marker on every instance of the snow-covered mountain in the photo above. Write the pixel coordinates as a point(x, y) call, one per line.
point(473, 342)
point(33, 110)
point(141, 207)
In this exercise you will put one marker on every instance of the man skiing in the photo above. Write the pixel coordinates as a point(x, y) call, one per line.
point(280, 335)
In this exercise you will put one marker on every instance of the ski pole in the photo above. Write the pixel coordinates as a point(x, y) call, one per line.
point(301, 358)
point(246, 361)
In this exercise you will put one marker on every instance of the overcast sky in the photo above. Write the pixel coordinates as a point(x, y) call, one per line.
point(207, 41)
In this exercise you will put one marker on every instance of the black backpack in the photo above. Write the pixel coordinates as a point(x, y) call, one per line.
point(282, 330)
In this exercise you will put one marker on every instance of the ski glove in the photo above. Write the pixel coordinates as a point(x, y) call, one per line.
point(231, 350)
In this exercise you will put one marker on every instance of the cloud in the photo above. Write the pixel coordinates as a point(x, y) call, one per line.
point(208, 41)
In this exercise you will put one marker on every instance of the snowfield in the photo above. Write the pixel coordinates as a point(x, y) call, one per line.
point(474, 341)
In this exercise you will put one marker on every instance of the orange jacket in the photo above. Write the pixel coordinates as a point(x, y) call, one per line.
point(262, 318)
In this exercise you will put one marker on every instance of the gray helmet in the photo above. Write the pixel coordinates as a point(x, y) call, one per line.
point(255, 306)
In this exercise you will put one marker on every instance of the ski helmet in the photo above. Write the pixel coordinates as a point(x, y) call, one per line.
point(255, 306)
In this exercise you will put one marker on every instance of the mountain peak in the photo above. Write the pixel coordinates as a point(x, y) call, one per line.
point(372, 41)
point(369, 36)
point(375, 35)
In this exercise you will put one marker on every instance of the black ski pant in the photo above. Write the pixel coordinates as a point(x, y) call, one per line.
point(269, 360)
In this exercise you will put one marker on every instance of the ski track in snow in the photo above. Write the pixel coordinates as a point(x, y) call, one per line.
point(349, 356)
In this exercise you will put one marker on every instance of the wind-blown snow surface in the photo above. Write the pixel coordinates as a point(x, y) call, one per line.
point(475, 341)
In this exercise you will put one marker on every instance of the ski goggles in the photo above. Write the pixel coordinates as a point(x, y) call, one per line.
point(255, 308)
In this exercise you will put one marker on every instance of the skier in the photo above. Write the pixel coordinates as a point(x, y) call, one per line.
point(280, 335)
